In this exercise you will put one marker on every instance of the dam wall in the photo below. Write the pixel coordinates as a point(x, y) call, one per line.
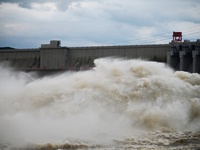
point(84, 56)
point(183, 56)
point(54, 57)
point(21, 58)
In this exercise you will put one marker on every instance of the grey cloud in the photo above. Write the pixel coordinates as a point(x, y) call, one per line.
point(23, 3)
point(62, 4)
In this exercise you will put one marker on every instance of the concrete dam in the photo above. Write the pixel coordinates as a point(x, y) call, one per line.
point(177, 54)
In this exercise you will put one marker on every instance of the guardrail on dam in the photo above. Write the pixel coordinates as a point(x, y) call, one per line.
point(54, 57)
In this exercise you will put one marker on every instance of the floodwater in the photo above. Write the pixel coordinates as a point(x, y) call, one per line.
point(120, 104)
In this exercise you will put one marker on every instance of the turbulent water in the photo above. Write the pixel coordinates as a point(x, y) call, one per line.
point(120, 104)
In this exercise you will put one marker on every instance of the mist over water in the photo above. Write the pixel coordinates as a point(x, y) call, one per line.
point(117, 100)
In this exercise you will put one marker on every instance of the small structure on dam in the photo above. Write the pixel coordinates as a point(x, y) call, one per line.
point(184, 56)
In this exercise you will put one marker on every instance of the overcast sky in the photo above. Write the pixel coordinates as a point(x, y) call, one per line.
point(30, 23)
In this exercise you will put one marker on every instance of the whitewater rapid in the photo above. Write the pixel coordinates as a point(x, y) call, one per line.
point(117, 100)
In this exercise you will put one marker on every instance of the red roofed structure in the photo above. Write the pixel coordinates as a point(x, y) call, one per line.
point(177, 36)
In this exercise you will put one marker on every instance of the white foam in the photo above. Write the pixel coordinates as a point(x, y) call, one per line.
point(118, 99)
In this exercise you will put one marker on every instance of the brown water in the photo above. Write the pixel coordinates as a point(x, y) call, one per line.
point(121, 104)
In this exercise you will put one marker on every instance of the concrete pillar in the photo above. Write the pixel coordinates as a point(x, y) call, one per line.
point(173, 60)
point(196, 61)
point(185, 61)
